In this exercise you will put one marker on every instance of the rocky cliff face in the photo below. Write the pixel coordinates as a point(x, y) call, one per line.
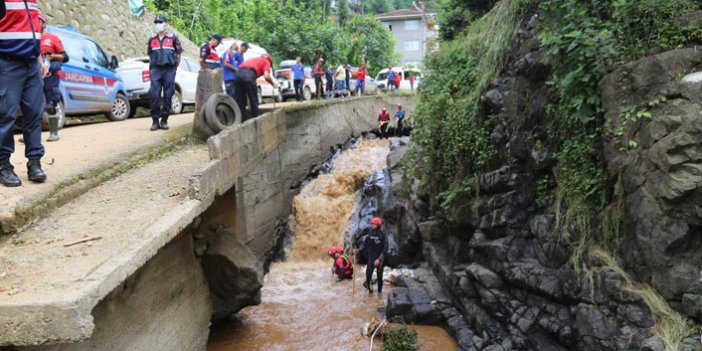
point(503, 277)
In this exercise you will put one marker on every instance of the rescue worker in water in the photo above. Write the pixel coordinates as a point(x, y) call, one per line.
point(375, 245)
point(342, 266)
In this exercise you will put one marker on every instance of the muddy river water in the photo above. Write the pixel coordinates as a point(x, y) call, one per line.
point(303, 307)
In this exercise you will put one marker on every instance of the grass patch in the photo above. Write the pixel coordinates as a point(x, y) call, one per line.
point(401, 339)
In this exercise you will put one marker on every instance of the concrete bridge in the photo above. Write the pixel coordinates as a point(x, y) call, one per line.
point(146, 259)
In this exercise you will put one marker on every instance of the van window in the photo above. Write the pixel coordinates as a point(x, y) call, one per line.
point(382, 76)
point(74, 48)
point(97, 56)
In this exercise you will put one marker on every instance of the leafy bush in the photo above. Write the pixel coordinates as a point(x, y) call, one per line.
point(401, 339)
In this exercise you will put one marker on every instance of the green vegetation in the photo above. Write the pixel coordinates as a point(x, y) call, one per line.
point(286, 28)
point(401, 339)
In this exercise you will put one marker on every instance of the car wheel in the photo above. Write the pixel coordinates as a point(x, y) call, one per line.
point(176, 103)
point(120, 108)
point(221, 112)
point(60, 111)
point(307, 93)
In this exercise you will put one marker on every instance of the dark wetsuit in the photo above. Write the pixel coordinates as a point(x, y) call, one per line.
point(375, 245)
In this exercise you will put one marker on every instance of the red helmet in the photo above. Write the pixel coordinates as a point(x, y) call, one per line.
point(376, 221)
point(384, 109)
point(42, 18)
point(334, 250)
point(399, 105)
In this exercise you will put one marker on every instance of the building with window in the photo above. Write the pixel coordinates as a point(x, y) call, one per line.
point(413, 31)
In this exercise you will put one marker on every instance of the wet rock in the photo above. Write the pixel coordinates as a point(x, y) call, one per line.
point(595, 328)
point(485, 276)
point(431, 230)
point(493, 100)
point(399, 306)
point(653, 343)
point(692, 305)
point(398, 148)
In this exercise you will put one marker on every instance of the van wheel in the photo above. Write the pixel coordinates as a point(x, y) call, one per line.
point(176, 104)
point(120, 108)
point(307, 93)
point(60, 111)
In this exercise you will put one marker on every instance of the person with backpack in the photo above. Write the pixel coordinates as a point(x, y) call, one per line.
point(375, 245)
point(384, 121)
point(343, 266)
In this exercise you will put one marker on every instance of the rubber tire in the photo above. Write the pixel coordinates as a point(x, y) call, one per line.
point(62, 118)
point(202, 124)
point(221, 105)
point(307, 93)
point(119, 117)
point(176, 104)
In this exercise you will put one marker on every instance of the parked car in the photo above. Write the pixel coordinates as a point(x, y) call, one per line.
point(137, 80)
point(89, 83)
point(284, 75)
point(381, 79)
point(265, 89)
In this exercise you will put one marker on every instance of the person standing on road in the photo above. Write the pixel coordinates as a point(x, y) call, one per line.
point(375, 244)
point(245, 82)
point(340, 80)
point(230, 66)
point(347, 70)
point(400, 118)
point(391, 79)
point(164, 57)
point(411, 81)
point(208, 53)
point(384, 122)
point(54, 54)
point(361, 79)
point(318, 71)
point(329, 75)
point(298, 70)
point(21, 87)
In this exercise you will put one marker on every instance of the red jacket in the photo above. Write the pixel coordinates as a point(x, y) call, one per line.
point(343, 267)
point(384, 116)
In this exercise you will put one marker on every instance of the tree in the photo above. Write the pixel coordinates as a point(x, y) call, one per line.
point(343, 12)
point(370, 42)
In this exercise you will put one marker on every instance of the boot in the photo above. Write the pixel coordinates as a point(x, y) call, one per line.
point(53, 129)
point(34, 171)
point(164, 123)
point(367, 286)
point(8, 177)
point(154, 124)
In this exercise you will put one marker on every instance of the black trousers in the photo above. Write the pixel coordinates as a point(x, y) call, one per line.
point(298, 83)
point(379, 270)
point(318, 85)
point(245, 89)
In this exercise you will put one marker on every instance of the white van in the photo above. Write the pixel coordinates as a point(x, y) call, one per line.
point(381, 80)
point(265, 89)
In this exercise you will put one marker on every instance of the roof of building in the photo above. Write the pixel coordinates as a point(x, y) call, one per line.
point(408, 13)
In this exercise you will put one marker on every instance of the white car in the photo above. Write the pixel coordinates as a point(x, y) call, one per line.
point(265, 89)
point(137, 81)
point(381, 80)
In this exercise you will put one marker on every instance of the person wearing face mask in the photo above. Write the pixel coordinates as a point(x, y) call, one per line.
point(54, 55)
point(164, 54)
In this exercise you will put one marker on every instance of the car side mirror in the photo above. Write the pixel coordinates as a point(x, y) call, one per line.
point(113, 62)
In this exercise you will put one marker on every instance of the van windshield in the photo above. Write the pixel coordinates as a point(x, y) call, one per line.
point(382, 76)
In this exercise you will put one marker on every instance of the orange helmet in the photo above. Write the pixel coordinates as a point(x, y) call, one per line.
point(376, 221)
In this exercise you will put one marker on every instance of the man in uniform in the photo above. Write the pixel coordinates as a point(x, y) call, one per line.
point(375, 244)
point(54, 54)
point(208, 53)
point(245, 82)
point(21, 86)
point(164, 57)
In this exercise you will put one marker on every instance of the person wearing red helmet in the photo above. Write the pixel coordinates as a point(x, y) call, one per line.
point(54, 56)
point(399, 118)
point(245, 82)
point(375, 245)
point(342, 266)
point(384, 121)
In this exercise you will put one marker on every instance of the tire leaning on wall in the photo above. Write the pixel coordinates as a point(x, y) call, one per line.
point(221, 112)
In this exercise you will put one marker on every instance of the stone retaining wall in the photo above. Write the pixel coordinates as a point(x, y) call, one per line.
point(110, 23)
